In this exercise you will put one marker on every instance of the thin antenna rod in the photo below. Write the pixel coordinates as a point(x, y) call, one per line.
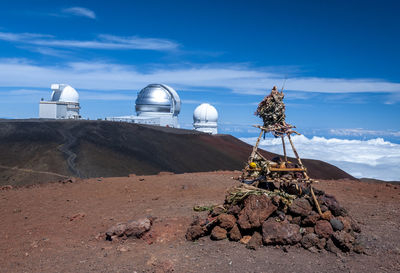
point(283, 85)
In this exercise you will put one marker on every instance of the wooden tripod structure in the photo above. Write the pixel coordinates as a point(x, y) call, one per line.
point(284, 130)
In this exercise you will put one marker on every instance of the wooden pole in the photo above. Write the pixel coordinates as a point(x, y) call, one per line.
point(284, 148)
point(253, 153)
point(315, 200)
point(295, 152)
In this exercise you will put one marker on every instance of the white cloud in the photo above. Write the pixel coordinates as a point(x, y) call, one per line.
point(103, 41)
point(374, 158)
point(363, 132)
point(108, 76)
point(80, 11)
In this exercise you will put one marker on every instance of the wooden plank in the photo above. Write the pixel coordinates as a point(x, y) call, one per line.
point(287, 170)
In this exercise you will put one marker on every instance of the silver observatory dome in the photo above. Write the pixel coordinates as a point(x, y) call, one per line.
point(158, 99)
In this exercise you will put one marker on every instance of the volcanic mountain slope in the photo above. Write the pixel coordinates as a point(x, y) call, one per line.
point(38, 151)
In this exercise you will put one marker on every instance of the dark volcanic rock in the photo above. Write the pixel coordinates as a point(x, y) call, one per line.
point(330, 246)
point(280, 232)
point(194, 232)
point(234, 210)
point(309, 240)
point(343, 240)
point(234, 233)
point(117, 230)
point(321, 244)
point(311, 219)
point(137, 228)
point(226, 221)
point(346, 221)
point(332, 204)
point(255, 241)
point(300, 206)
point(133, 228)
point(355, 226)
point(296, 220)
point(257, 208)
point(323, 229)
point(218, 233)
point(336, 224)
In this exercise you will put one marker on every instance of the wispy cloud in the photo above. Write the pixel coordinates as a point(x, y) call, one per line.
point(80, 11)
point(103, 41)
point(108, 76)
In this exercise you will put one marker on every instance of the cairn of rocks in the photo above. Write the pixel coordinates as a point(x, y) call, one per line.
point(257, 217)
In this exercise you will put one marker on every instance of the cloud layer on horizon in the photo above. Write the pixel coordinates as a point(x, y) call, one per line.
point(238, 79)
point(374, 158)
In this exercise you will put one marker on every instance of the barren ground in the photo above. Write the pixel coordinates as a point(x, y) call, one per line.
point(38, 235)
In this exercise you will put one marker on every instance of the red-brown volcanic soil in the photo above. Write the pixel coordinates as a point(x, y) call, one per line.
point(38, 235)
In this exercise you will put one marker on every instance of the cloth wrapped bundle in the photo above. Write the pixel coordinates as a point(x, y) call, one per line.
point(272, 109)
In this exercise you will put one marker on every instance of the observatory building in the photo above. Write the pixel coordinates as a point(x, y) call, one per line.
point(156, 104)
point(205, 118)
point(64, 103)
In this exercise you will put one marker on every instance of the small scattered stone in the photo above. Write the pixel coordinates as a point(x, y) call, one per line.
point(77, 216)
point(132, 228)
point(118, 230)
point(122, 248)
point(245, 239)
point(137, 228)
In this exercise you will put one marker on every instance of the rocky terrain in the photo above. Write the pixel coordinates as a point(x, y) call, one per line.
point(38, 151)
point(60, 227)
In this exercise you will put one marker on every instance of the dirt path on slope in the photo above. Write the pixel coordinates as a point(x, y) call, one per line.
point(32, 171)
point(37, 234)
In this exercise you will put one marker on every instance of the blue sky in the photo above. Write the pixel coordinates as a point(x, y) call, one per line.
point(340, 59)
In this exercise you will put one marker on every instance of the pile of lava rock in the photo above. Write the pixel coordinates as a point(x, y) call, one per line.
point(277, 218)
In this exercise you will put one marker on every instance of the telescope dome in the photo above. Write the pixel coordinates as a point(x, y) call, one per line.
point(158, 98)
point(205, 114)
point(64, 93)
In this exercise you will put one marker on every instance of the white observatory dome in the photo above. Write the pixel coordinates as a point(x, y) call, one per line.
point(205, 113)
point(64, 93)
point(158, 99)
point(205, 118)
